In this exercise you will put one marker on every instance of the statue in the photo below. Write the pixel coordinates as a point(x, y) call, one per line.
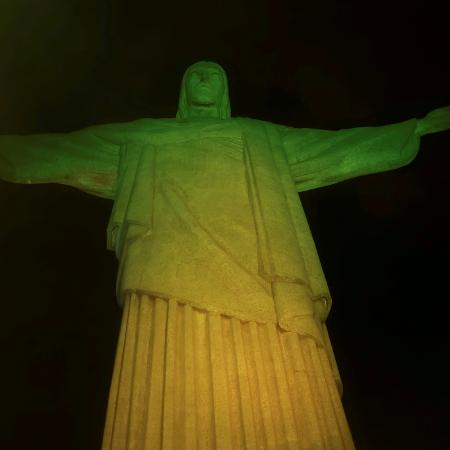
point(223, 342)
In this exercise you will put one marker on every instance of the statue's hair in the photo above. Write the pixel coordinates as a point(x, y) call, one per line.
point(224, 101)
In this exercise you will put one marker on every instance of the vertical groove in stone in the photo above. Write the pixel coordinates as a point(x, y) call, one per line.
point(290, 437)
point(204, 407)
point(190, 425)
point(120, 434)
point(153, 424)
point(235, 412)
point(187, 379)
point(268, 422)
point(247, 405)
point(256, 400)
point(273, 395)
point(334, 395)
point(309, 408)
point(115, 382)
point(332, 360)
point(331, 430)
point(179, 391)
point(222, 425)
point(149, 332)
point(130, 391)
point(139, 387)
point(169, 377)
point(315, 389)
point(301, 428)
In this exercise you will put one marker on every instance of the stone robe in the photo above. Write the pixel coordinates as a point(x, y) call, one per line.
point(207, 211)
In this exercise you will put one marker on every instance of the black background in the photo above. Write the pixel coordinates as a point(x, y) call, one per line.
point(383, 239)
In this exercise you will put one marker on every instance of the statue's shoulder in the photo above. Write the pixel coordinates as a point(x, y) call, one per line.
point(258, 124)
point(146, 127)
point(150, 123)
point(248, 121)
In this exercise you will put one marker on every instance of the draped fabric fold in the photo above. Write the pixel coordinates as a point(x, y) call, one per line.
point(284, 249)
point(189, 379)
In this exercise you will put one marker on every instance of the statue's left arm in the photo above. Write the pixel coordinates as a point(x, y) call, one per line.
point(319, 158)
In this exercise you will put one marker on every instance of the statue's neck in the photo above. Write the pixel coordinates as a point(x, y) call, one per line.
point(202, 111)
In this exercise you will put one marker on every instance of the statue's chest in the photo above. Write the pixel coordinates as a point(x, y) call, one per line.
point(197, 131)
point(199, 151)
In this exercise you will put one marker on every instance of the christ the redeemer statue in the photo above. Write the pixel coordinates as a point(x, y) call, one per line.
point(223, 343)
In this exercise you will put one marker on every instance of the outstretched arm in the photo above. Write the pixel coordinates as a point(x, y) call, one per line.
point(319, 158)
point(87, 159)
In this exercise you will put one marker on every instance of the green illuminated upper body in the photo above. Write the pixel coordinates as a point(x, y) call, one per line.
point(205, 206)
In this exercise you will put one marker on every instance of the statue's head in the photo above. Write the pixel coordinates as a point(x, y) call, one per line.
point(204, 92)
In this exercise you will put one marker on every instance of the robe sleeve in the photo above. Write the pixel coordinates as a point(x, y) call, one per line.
point(87, 159)
point(319, 158)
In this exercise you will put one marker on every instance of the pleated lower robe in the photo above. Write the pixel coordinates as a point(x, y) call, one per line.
point(186, 378)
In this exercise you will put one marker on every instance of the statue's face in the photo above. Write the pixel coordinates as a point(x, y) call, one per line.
point(204, 86)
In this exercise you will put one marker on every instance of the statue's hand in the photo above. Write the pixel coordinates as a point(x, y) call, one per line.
point(436, 120)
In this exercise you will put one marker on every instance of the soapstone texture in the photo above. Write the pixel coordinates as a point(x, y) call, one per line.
point(223, 341)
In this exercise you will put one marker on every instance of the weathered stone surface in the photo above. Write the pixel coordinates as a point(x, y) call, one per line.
point(186, 378)
point(223, 342)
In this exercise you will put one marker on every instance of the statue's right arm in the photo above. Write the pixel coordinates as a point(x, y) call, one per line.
point(87, 159)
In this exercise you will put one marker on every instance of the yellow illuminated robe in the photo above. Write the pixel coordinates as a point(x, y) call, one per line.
point(215, 252)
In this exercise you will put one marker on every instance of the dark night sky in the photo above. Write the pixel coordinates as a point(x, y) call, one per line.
point(383, 239)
